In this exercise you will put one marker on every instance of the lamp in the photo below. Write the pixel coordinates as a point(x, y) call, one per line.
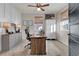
point(6, 25)
point(38, 9)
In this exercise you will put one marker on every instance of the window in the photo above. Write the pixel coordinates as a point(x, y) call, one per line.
point(64, 25)
point(53, 28)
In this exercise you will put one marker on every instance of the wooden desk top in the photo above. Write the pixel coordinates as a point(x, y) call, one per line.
point(37, 37)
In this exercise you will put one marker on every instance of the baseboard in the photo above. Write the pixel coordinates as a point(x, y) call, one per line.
point(50, 39)
point(62, 43)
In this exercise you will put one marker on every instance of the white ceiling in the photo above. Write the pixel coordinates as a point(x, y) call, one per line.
point(52, 8)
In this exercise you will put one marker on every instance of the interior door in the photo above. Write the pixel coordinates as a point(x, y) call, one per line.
point(50, 29)
point(74, 29)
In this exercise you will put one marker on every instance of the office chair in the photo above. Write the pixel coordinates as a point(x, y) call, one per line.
point(28, 38)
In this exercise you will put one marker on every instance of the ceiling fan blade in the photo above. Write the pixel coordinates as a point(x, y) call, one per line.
point(38, 5)
point(44, 5)
point(31, 6)
point(42, 9)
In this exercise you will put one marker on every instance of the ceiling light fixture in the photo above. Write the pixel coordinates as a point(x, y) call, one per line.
point(38, 9)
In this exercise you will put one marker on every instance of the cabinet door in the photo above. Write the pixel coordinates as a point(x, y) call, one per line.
point(12, 40)
point(74, 29)
point(5, 42)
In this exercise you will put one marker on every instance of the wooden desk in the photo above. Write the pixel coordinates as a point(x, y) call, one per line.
point(38, 46)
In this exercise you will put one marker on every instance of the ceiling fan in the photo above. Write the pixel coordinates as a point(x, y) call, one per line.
point(39, 6)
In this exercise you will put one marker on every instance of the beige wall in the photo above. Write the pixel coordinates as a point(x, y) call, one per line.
point(61, 34)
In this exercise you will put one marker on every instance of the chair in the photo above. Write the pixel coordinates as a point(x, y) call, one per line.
point(28, 38)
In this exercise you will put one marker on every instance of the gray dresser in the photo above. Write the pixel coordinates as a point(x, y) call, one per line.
point(9, 41)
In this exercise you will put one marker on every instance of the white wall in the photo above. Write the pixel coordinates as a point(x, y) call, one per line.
point(26, 17)
point(29, 17)
point(61, 35)
point(13, 15)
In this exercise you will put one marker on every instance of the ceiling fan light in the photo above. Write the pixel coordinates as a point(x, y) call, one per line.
point(38, 9)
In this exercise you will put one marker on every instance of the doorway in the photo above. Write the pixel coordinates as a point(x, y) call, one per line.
point(50, 29)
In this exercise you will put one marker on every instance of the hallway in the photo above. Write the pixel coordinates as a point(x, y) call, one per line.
point(53, 48)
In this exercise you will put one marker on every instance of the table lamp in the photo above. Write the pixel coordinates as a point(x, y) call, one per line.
point(6, 25)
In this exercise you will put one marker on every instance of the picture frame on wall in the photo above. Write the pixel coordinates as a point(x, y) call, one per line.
point(28, 23)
